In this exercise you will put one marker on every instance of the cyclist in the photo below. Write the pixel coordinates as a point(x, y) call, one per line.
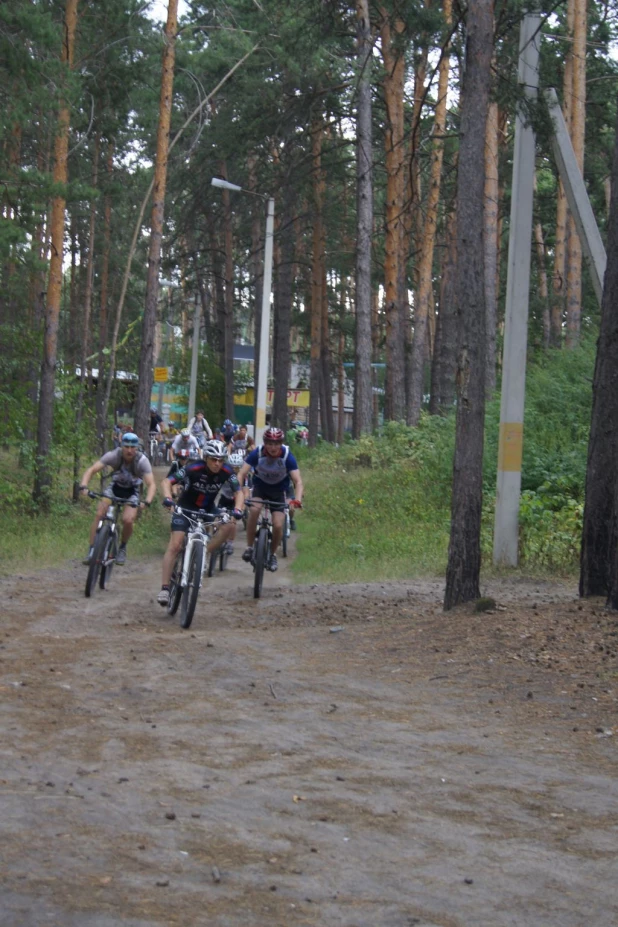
point(155, 421)
point(227, 496)
point(202, 481)
point(273, 467)
point(200, 429)
point(184, 442)
point(240, 441)
point(130, 468)
point(228, 431)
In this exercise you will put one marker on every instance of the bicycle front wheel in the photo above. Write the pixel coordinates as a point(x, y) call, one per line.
point(191, 590)
point(96, 562)
point(285, 535)
point(261, 553)
point(109, 558)
point(176, 585)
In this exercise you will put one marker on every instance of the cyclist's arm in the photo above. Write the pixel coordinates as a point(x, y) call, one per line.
point(166, 488)
point(151, 487)
point(243, 473)
point(90, 472)
point(298, 484)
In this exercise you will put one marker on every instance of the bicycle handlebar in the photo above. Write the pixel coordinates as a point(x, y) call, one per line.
point(222, 519)
point(101, 495)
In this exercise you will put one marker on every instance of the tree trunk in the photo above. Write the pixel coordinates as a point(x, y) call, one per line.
point(578, 123)
point(423, 306)
point(464, 557)
point(599, 571)
point(560, 246)
point(317, 264)
point(393, 83)
point(283, 304)
point(490, 245)
point(144, 389)
point(43, 478)
point(539, 242)
point(104, 306)
point(444, 359)
point(363, 412)
point(328, 418)
point(228, 303)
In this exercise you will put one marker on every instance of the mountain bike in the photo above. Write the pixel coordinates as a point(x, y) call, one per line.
point(105, 544)
point(286, 531)
point(189, 566)
point(263, 541)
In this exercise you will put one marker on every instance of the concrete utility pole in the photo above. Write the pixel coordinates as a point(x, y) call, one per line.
point(577, 195)
point(506, 526)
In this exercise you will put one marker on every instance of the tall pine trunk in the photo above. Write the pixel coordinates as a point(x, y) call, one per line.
point(144, 388)
point(464, 557)
point(599, 571)
point(363, 411)
point(43, 477)
point(490, 244)
point(317, 282)
point(393, 83)
point(423, 307)
point(578, 122)
point(228, 302)
point(444, 358)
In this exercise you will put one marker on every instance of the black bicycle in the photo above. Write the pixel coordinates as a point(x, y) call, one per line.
point(105, 544)
point(263, 540)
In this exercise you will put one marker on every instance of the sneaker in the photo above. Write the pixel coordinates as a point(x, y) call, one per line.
point(229, 548)
point(272, 563)
point(163, 597)
point(292, 525)
point(121, 556)
point(248, 554)
point(88, 557)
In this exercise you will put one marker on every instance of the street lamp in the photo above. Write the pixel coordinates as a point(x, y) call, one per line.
point(262, 378)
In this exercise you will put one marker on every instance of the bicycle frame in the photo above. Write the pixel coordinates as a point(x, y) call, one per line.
point(202, 527)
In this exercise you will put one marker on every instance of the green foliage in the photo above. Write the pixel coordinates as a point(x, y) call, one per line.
point(210, 386)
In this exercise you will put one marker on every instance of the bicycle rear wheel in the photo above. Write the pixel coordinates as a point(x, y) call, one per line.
point(109, 558)
point(175, 585)
point(261, 553)
point(100, 545)
point(191, 590)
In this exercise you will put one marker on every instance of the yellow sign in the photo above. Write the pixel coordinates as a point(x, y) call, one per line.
point(297, 398)
point(161, 375)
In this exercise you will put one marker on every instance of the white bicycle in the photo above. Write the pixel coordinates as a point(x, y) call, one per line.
point(189, 567)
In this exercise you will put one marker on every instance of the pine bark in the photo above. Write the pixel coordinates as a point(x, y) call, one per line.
point(393, 84)
point(599, 569)
point(423, 307)
point(490, 244)
point(144, 390)
point(283, 305)
point(578, 123)
point(444, 358)
point(464, 558)
point(363, 405)
point(317, 264)
point(43, 477)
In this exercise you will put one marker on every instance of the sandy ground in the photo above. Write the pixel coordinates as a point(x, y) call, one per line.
point(329, 755)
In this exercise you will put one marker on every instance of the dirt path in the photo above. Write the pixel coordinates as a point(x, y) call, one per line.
point(263, 768)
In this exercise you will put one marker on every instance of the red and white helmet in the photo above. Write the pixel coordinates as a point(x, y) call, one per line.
point(273, 434)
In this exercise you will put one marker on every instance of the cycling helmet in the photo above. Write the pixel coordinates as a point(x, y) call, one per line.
point(273, 434)
point(185, 433)
point(130, 440)
point(236, 459)
point(227, 423)
point(216, 449)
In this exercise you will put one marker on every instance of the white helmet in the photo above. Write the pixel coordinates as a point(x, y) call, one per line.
point(216, 449)
point(185, 433)
point(236, 459)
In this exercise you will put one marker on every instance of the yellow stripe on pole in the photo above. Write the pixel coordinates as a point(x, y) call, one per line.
point(260, 418)
point(510, 447)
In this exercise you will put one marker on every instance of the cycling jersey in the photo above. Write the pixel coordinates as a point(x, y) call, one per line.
point(179, 442)
point(128, 475)
point(271, 472)
point(200, 485)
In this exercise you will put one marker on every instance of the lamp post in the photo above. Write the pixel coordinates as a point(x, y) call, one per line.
point(262, 377)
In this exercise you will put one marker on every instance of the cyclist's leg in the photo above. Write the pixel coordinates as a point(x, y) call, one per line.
point(278, 522)
point(129, 514)
point(175, 543)
point(254, 513)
